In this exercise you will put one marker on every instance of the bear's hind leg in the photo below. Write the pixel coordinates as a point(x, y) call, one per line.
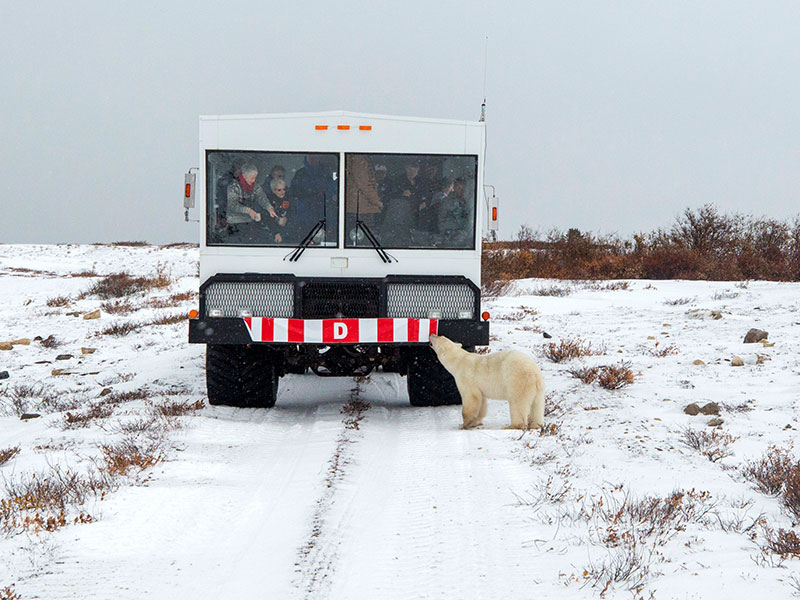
point(536, 417)
point(519, 414)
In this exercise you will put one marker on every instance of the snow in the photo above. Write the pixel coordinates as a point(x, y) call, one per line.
point(297, 502)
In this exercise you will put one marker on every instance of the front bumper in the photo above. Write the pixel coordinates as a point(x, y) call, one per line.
point(382, 332)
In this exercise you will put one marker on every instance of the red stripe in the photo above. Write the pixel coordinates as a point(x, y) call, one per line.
point(434, 326)
point(249, 322)
point(385, 330)
point(267, 330)
point(296, 330)
point(413, 330)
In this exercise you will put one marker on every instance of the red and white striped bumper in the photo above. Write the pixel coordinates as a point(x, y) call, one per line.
point(340, 331)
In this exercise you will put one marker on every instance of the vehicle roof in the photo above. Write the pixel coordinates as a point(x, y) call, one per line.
point(338, 113)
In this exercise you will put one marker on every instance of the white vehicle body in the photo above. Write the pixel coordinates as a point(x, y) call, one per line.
point(302, 133)
point(336, 242)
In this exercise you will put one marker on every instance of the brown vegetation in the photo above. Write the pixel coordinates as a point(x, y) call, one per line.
point(58, 302)
point(702, 244)
point(777, 473)
point(178, 409)
point(7, 454)
point(119, 458)
point(8, 593)
point(714, 445)
point(119, 285)
point(567, 350)
point(614, 377)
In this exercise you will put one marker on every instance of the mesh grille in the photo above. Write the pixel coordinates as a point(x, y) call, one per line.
point(264, 298)
point(414, 300)
point(338, 300)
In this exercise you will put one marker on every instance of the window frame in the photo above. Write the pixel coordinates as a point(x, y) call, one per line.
point(210, 191)
point(343, 174)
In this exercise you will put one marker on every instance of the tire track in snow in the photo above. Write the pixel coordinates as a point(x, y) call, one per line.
point(317, 556)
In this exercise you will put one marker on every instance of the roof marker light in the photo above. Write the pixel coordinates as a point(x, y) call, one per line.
point(343, 127)
point(365, 127)
point(320, 127)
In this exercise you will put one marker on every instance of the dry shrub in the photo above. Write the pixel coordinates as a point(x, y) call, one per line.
point(8, 593)
point(171, 301)
point(121, 457)
point(178, 409)
point(497, 287)
point(614, 377)
point(567, 350)
point(121, 397)
point(119, 285)
point(714, 445)
point(553, 290)
point(134, 244)
point(785, 543)
point(58, 302)
point(7, 454)
point(120, 328)
point(78, 420)
point(585, 374)
point(662, 352)
point(42, 500)
point(679, 301)
point(549, 429)
point(553, 405)
point(777, 473)
point(169, 319)
point(771, 471)
point(701, 244)
point(51, 342)
point(85, 273)
point(22, 398)
point(118, 307)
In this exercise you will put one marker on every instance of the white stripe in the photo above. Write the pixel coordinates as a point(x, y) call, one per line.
point(312, 332)
point(400, 330)
point(281, 330)
point(424, 330)
point(255, 332)
point(368, 330)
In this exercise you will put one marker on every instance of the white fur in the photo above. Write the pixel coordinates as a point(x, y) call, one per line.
point(510, 375)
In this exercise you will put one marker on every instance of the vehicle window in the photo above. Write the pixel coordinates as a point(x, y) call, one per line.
point(271, 198)
point(410, 200)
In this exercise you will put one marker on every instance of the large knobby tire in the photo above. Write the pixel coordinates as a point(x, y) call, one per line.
point(241, 376)
point(429, 383)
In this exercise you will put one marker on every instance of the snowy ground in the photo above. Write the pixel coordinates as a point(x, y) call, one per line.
point(326, 497)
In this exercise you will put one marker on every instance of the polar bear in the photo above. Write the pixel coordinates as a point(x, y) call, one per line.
point(510, 375)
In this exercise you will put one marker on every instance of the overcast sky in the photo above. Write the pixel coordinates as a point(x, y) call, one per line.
point(606, 116)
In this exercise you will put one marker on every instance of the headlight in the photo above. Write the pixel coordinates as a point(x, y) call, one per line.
point(434, 314)
point(245, 312)
point(465, 314)
point(214, 312)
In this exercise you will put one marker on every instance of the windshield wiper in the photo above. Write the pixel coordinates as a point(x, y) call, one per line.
point(321, 224)
point(368, 233)
point(295, 254)
point(385, 257)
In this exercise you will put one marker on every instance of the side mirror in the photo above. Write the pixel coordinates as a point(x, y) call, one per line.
point(188, 190)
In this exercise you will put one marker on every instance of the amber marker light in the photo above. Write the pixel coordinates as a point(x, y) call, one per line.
point(494, 213)
point(320, 127)
point(365, 127)
point(343, 127)
point(485, 315)
point(188, 191)
point(193, 314)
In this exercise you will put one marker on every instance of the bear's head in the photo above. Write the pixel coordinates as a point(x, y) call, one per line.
point(444, 347)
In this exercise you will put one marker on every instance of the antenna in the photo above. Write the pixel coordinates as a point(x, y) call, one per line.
point(485, 63)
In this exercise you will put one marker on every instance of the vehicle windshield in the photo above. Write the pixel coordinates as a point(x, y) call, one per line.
point(410, 200)
point(271, 198)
